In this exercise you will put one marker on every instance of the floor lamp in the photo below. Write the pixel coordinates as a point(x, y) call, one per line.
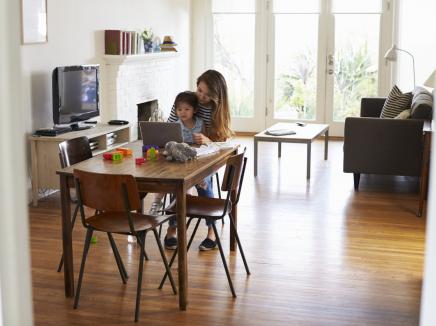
point(391, 55)
point(430, 82)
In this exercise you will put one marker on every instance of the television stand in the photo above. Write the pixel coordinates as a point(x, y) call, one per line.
point(45, 152)
point(77, 127)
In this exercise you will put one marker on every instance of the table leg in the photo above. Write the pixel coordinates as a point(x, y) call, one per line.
point(280, 149)
point(182, 246)
point(67, 241)
point(233, 242)
point(309, 148)
point(326, 144)
point(255, 157)
point(424, 173)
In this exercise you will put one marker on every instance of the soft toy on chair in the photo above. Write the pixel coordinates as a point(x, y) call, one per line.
point(181, 152)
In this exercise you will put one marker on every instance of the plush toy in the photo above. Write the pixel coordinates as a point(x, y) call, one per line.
point(181, 152)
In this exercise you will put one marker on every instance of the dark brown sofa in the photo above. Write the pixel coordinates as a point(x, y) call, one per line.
point(373, 145)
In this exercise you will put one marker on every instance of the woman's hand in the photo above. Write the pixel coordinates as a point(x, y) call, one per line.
point(200, 139)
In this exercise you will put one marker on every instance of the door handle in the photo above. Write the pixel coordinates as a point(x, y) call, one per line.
point(330, 71)
point(331, 60)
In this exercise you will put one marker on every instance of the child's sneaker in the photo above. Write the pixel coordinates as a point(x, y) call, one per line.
point(207, 244)
point(170, 243)
point(155, 208)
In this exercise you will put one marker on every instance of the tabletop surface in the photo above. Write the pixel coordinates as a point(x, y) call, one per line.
point(159, 169)
point(309, 131)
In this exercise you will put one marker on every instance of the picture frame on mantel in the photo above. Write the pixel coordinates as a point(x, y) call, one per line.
point(33, 21)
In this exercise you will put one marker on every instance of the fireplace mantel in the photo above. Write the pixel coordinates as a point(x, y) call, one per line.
point(137, 58)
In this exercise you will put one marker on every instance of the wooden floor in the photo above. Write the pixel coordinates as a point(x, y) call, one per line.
point(320, 254)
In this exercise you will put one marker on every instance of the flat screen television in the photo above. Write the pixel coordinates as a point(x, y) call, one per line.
point(75, 95)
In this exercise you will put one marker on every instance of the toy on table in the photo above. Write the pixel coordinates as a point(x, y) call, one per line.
point(113, 156)
point(151, 152)
point(139, 160)
point(126, 151)
point(181, 152)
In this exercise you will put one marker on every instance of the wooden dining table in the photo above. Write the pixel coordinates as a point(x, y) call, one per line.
point(159, 176)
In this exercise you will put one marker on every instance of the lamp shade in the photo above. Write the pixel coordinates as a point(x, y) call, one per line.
point(391, 54)
point(430, 81)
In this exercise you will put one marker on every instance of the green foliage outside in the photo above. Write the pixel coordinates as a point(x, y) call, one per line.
point(355, 77)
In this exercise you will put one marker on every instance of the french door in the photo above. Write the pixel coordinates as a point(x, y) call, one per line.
point(312, 60)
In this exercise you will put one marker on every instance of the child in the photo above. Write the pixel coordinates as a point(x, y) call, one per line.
point(186, 106)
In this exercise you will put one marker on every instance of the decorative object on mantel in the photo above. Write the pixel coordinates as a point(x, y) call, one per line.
point(168, 44)
point(147, 37)
point(117, 42)
point(34, 21)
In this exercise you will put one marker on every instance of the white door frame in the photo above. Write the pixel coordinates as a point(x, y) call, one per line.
point(264, 61)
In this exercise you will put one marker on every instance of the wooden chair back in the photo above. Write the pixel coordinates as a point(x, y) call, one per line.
point(107, 192)
point(234, 173)
point(73, 151)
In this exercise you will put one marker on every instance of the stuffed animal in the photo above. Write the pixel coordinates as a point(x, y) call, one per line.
point(181, 152)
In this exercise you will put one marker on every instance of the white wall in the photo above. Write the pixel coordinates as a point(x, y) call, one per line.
point(16, 300)
point(416, 34)
point(75, 36)
point(428, 301)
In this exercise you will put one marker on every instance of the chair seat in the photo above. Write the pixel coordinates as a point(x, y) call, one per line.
point(117, 222)
point(199, 207)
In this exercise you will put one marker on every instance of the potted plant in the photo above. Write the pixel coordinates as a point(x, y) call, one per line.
point(147, 37)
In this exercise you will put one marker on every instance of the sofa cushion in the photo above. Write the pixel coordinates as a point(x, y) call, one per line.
point(422, 104)
point(405, 114)
point(396, 103)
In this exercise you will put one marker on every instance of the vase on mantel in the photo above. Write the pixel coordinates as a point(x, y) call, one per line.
point(148, 46)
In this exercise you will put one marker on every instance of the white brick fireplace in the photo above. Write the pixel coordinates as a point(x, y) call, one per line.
point(134, 79)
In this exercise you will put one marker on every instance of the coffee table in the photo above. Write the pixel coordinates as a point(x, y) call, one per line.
point(305, 135)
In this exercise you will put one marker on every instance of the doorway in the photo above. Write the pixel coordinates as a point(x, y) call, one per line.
point(307, 60)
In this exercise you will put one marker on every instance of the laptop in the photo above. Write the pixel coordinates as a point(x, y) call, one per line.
point(160, 133)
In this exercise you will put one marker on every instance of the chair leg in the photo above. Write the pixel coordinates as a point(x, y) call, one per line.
point(219, 190)
point(175, 251)
point(118, 259)
point(82, 265)
point(218, 241)
point(73, 220)
point(232, 222)
point(145, 253)
point(164, 259)
point(141, 241)
point(163, 213)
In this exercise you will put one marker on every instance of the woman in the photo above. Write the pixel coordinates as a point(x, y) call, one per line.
point(213, 109)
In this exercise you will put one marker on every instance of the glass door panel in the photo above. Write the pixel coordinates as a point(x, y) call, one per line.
point(295, 66)
point(233, 56)
point(355, 62)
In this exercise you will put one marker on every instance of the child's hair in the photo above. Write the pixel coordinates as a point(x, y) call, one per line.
point(187, 97)
point(220, 128)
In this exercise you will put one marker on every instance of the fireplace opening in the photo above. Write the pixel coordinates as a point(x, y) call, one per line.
point(148, 111)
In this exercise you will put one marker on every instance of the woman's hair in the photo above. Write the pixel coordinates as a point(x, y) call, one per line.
point(220, 125)
point(187, 97)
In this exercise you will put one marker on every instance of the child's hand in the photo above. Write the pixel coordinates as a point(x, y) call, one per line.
point(200, 139)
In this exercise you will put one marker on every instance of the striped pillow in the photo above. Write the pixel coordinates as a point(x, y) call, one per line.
point(396, 103)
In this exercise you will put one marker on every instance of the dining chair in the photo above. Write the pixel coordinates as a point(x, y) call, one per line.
point(217, 208)
point(116, 200)
point(73, 151)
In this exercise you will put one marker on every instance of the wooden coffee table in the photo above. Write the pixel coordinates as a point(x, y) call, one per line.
point(305, 135)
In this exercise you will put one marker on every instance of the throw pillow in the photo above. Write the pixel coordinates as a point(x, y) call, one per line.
point(422, 104)
point(405, 114)
point(396, 103)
